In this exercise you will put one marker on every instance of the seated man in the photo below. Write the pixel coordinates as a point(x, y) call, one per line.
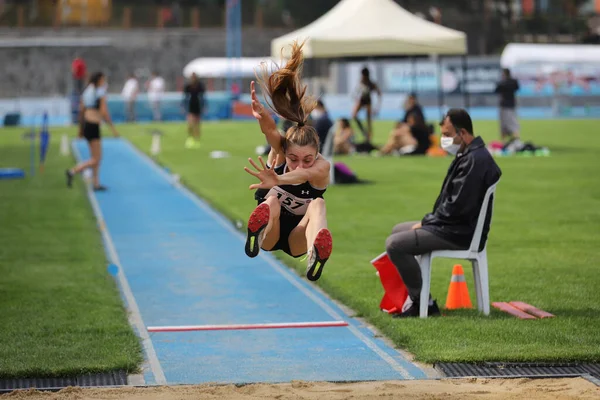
point(452, 223)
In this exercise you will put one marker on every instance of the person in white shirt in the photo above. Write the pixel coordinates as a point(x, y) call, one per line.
point(156, 88)
point(129, 94)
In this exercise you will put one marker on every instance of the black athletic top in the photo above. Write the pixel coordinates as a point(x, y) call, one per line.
point(193, 96)
point(365, 89)
point(507, 89)
point(294, 199)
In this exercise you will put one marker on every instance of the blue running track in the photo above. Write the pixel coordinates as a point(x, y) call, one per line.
point(181, 263)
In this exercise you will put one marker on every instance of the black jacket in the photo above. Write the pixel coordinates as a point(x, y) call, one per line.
point(456, 209)
point(507, 89)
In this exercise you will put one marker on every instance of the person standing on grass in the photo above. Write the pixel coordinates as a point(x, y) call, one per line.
point(79, 72)
point(193, 102)
point(365, 88)
point(321, 121)
point(506, 89)
point(451, 224)
point(291, 214)
point(156, 89)
point(94, 110)
point(129, 94)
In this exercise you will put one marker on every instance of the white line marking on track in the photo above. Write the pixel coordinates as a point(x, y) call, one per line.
point(136, 317)
point(231, 327)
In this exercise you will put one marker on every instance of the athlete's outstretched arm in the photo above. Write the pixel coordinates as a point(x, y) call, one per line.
point(266, 122)
point(317, 175)
point(106, 116)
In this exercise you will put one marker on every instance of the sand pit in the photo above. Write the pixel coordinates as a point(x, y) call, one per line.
point(505, 389)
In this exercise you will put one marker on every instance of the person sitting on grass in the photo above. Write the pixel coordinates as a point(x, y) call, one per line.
point(411, 138)
point(343, 141)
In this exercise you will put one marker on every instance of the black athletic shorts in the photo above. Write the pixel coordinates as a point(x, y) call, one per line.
point(287, 223)
point(365, 101)
point(196, 112)
point(91, 131)
point(195, 109)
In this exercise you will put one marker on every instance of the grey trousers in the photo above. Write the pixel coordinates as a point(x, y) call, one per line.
point(156, 114)
point(130, 111)
point(509, 124)
point(403, 244)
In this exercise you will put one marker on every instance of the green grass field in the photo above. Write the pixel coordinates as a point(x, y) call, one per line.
point(60, 312)
point(542, 248)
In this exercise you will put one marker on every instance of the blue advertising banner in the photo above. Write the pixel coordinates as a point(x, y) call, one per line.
point(567, 79)
point(535, 79)
point(423, 77)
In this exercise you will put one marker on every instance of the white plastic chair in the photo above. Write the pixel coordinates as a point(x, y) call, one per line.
point(478, 260)
point(327, 152)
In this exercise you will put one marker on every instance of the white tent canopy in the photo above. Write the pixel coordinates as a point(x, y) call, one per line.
point(209, 67)
point(525, 53)
point(357, 28)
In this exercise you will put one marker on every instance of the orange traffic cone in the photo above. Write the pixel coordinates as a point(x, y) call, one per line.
point(458, 294)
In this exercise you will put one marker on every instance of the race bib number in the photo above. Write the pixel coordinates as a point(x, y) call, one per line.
point(290, 202)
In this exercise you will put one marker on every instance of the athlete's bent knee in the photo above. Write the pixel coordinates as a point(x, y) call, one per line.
point(316, 205)
point(273, 204)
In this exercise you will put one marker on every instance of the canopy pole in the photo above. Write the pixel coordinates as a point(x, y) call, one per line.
point(440, 87)
point(465, 83)
point(413, 84)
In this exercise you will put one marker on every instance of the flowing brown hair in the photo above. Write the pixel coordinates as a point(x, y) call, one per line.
point(286, 95)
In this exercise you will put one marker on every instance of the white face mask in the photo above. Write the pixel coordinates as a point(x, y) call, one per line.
point(448, 145)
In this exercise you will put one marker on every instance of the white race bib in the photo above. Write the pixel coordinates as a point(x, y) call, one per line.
point(291, 203)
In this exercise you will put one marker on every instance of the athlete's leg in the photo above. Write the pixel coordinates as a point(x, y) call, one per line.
point(355, 112)
point(197, 125)
point(192, 122)
point(312, 235)
point(369, 123)
point(263, 227)
point(96, 152)
point(272, 229)
point(93, 162)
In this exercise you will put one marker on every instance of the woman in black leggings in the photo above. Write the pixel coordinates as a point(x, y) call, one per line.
point(93, 110)
point(193, 102)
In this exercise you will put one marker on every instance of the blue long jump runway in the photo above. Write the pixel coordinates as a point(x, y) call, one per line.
point(182, 264)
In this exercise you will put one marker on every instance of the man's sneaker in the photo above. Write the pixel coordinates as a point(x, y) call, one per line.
point(69, 175)
point(319, 254)
point(256, 225)
point(413, 310)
